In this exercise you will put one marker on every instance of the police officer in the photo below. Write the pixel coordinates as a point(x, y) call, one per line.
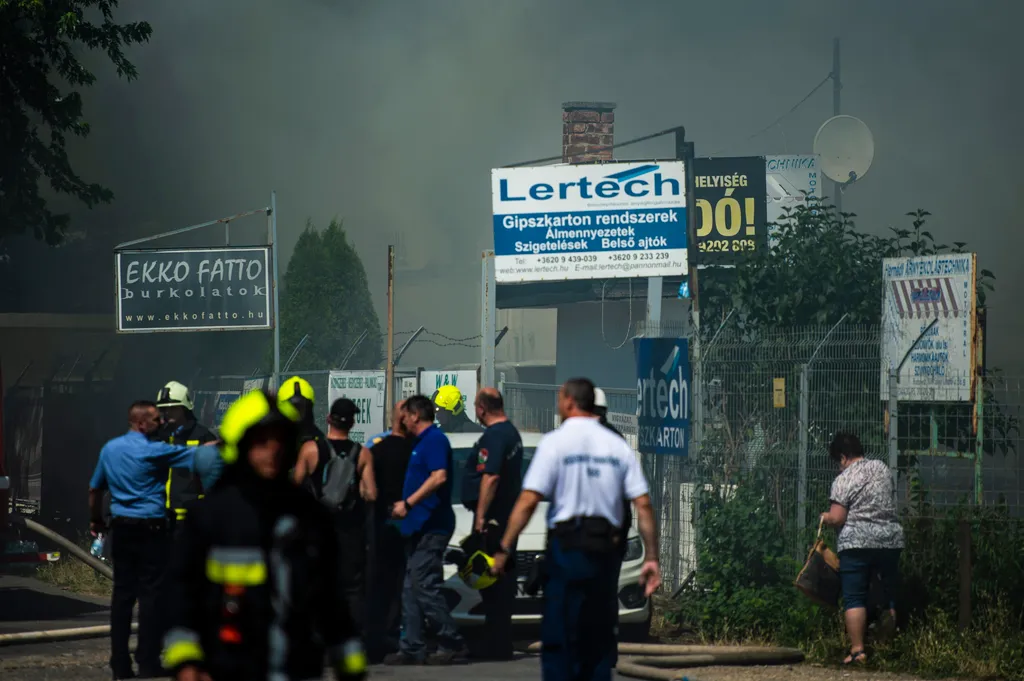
point(255, 579)
point(585, 471)
point(493, 480)
point(133, 467)
point(181, 427)
point(450, 411)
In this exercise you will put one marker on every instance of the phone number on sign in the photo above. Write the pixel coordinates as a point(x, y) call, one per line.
point(557, 259)
point(726, 246)
point(629, 257)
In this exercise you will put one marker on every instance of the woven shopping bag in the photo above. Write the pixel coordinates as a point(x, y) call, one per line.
point(819, 578)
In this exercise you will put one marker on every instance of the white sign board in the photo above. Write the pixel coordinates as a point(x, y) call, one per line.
point(408, 387)
point(790, 179)
point(465, 380)
point(595, 221)
point(251, 384)
point(366, 389)
point(626, 424)
point(916, 292)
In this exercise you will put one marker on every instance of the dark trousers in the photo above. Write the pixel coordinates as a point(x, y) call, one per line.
point(422, 597)
point(351, 532)
point(580, 615)
point(499, 604)
point(140, 551)
point(386, 576)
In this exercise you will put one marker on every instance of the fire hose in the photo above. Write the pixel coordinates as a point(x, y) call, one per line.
point(668, 662)
point(653, 661)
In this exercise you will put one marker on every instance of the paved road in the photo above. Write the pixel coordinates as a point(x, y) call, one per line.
point(30, 605)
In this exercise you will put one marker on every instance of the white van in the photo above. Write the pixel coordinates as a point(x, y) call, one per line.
point(465, 605)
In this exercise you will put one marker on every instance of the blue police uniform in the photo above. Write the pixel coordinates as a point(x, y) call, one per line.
point(134, 469)
point(586, 472)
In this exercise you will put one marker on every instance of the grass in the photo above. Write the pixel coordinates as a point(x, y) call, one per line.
point(73, 575)
point(929, 648)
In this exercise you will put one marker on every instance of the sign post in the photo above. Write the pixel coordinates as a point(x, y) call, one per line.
point(571, 222)
point(663, 395)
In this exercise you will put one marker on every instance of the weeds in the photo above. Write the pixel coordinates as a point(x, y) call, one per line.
point(73, 575)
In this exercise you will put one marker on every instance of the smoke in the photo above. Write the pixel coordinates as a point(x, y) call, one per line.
point(391, 115)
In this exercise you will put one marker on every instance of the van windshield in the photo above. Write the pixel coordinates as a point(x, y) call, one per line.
point(459, 456)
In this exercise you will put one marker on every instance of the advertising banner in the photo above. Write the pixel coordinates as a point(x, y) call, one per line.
point(729, 200)
point(626, 424)
point(221, 402)
point(366, 389)
point(197, 289)
point(663, 395)
point(598, 221)
point(464, 379)
point(790, 180)
point(915, 292)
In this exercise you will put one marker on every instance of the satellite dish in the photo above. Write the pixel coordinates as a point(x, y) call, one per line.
point(846, 148)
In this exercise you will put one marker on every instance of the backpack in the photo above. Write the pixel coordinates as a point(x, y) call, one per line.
point(339, 476)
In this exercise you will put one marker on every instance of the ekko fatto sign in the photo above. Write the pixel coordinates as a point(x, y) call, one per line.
point(197, 289)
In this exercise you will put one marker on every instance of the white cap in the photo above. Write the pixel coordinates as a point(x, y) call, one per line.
point(600, 400)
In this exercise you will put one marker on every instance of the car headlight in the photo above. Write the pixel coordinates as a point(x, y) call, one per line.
point(634, 550)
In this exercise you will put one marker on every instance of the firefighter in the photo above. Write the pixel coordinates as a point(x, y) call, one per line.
point(180, 428)
point(255, 588)
point(314, 452)
point(450, 411)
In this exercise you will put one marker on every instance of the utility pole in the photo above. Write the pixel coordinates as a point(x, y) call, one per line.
point(389, 379)
point(837, 88)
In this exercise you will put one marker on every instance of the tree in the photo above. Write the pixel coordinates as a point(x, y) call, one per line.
point(325, 295)
point(40, 78)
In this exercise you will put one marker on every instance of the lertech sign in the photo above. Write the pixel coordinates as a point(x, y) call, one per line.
point(198, 289)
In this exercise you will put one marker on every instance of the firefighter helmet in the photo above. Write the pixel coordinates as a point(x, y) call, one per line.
point(256, 408)
point(175, 394)
point(449, 398)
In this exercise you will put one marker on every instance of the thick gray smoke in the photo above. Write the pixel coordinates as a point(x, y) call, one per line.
point(390, 115)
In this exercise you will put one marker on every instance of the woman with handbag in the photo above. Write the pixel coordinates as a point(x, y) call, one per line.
point(863, 505)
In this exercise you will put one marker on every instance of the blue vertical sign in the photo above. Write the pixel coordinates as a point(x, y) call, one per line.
point(663, 395)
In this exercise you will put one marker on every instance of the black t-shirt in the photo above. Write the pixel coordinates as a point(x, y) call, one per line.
point(390, 459)
point(462, 424)
point(499, 451)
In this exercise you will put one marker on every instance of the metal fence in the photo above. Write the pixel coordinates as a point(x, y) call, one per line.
point(771, 403)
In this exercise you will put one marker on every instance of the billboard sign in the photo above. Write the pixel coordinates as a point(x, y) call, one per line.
point(915, 292)
point(195, 289)
point(464, 379)
point(596, 221)
point(729, 200)
point(663, 395)
point(790, 179)
point(366, 389)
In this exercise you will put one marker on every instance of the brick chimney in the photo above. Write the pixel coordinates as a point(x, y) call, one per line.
point(587, 126)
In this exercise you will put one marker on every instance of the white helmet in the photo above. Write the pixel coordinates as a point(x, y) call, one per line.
point(174, 394)
point(600, 399)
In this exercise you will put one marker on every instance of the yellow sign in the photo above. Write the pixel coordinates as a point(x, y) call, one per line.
point(779, 393)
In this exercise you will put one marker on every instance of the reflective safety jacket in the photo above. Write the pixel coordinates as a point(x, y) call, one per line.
point(254, 589)
point(184, 487)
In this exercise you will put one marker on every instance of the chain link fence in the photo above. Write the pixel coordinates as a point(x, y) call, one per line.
point(771, 403)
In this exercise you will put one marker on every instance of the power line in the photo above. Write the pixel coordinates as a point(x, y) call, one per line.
point(783, 116)
point(591, 150)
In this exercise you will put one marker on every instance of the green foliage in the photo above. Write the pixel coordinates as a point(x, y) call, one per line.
point(743, 591)
point(325, 295)
point(744, 579)
point(821, 268)
point(40, 79)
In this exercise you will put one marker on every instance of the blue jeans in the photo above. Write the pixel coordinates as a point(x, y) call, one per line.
point(422, 597)
point(856, 568)
point(581, 610)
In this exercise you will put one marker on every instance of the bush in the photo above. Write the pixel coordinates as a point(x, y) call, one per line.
point(744, 593)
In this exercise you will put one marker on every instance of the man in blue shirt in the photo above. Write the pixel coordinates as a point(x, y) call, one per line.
point(135, 468)
point(428, 523)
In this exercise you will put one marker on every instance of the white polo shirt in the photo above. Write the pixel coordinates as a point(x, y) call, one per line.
point(584, 469)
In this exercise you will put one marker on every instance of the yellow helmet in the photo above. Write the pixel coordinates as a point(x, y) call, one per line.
point(476, 572)
point(295, 391)
point(449, 398)
point(256, 408)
